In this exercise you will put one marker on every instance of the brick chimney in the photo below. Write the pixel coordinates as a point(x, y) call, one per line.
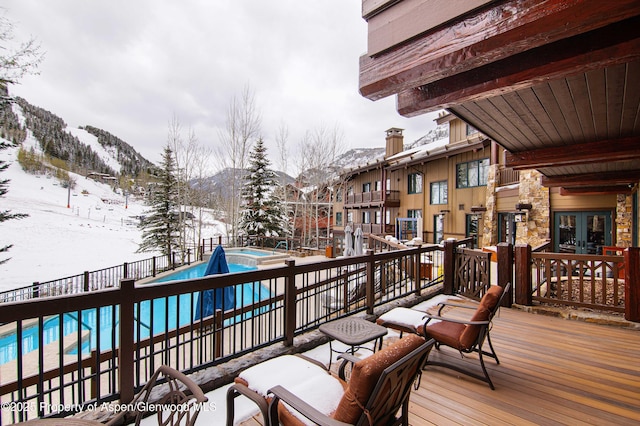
point(395, 141)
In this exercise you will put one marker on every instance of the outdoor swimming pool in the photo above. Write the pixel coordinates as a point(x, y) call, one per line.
point(164, 318)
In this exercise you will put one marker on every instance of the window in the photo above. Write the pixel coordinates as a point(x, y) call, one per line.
point(471, 130)
point(350, 191)
point(338, 218)
point(378, 217)
point(366, 217)
point(339, 195)
point(439, 192)
point(415, 183)
point(471, 174)
point(377, 186)
point(413, 214)
point(350, 217)
point(472, 228)
point(366, 187)
point(387, 217)
point(438, 228)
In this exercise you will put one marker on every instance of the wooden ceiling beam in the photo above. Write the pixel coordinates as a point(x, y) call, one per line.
point(495, 32)
point(587, 153)
point(615, 44)
point(627, 177)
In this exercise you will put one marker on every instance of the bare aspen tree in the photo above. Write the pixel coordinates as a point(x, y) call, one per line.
point(201, 171)
point(321, 148)
point(242, 128)
point(282, 139)
point(18, 61)
point(189, 162)
point(174, 141)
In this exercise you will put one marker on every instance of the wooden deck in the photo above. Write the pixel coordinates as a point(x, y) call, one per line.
point(552, 372)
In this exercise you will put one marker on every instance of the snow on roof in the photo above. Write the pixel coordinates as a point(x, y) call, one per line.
point(422, 149)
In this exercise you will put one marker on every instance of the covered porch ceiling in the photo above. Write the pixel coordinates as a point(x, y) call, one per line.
point(556, 83)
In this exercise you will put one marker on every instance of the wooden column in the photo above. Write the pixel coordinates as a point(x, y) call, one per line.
point(371, 282)
point(449, 267)
point(505, 271)
point(632, 284)
point(523, 274)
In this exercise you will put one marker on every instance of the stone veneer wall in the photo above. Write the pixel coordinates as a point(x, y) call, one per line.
point(624, 220)
point(490, 225)
point(536, 230)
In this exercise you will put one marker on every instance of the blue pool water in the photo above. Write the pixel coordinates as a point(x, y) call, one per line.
point(156, 315)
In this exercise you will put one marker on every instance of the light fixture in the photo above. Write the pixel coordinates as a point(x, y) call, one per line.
point(520, 217)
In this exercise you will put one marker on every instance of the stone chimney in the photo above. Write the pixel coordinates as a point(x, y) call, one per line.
point(395, 142)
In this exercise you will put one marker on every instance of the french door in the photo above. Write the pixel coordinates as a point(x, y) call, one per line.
point(582, 232)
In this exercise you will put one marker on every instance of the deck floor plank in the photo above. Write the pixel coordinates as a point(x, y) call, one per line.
point(552, 371)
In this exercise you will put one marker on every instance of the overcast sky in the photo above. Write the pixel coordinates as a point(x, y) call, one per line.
point(129, 66)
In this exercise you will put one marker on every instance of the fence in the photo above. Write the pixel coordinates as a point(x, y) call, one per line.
point(100, 346)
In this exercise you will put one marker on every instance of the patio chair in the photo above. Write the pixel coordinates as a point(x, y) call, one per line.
point(378, 388)
point(467, 336)
point(179, 391)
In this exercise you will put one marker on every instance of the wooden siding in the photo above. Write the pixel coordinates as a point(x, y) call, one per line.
point(552, 371)
point(584, 202)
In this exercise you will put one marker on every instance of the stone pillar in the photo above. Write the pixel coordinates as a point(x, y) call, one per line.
point(624, 220)
point(490, 217)
point(536, 230)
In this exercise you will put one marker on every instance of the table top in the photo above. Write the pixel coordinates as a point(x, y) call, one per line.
point(353, 331)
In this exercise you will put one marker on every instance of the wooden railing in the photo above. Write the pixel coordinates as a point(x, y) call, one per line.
point(113, 339)
point(507, 176)
point(599, 282)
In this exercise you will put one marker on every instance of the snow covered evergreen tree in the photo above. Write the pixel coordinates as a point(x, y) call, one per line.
point(160, 226)
point(263, 214)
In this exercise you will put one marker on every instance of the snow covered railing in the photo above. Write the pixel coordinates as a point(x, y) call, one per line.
point(95, 280)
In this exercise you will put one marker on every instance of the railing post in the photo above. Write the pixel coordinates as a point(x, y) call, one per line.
point(345, 289)
point(417, 270)
point(505, 271)
point(290, 303)
point(523, 274)
point(125, 270)
point(632, 284)
point(86, 281)
point(371, 282)
point(153, 266)
point(218, 327)
point(36, 290)
point(126, 349)
point(449, 267)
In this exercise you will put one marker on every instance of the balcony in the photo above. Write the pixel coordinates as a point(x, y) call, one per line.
point(364, 200)
point(507, 176)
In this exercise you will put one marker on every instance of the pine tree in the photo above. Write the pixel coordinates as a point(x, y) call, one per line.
point(160, 227)
point(6, 214)
point(263, 213)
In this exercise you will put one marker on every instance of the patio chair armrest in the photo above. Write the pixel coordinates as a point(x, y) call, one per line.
point(429, 317)
point(346, 358)
point(282, 394)
point(458, 305)
point(238, 389)
point(313, 361)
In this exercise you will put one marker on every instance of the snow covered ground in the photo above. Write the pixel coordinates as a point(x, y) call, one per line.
point(97, 230)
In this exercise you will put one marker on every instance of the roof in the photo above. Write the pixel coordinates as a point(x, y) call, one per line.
point(556, 83)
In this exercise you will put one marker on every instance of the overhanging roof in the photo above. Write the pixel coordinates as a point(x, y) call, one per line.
point(556, 83)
